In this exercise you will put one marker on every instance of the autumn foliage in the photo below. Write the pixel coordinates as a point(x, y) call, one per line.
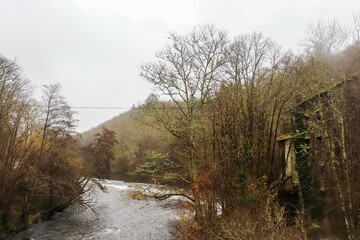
point(226, 102)
point(41, 166)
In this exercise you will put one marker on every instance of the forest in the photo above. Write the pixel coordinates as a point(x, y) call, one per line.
point(232, 105)
point(261, 142)
point(43, 169)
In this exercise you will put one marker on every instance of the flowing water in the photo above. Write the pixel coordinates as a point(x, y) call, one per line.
point(117, 217)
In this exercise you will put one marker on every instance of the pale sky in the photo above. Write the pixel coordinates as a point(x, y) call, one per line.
point(93, 47)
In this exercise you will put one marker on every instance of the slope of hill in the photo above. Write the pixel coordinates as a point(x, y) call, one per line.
point(135, 140)
point(113, 124)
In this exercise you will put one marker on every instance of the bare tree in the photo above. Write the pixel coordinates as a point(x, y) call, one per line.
point(324, 39)
point(58, 117)
point(58, 124)
point(17, 135)
point(187, 73)
point(247, 114)
point(356, 28)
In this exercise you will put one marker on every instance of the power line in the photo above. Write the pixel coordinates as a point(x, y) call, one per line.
point(122, 108)
point(103, 108)
point(118, 108)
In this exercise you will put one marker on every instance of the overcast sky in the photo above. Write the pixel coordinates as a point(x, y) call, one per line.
point(93, 47)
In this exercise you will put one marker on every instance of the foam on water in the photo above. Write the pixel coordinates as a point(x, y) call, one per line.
point(119, 187)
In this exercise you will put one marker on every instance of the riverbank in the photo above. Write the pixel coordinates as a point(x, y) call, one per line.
point(117, 217)
point(130, 177)
point(32, 219)
point(17, 227)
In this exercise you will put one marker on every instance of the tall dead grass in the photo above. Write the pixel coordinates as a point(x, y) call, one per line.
point(262, 218)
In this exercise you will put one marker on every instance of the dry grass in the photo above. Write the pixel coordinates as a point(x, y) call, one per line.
point(263, 218)
point(242, 224)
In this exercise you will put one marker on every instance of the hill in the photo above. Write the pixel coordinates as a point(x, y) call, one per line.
point(135, 140)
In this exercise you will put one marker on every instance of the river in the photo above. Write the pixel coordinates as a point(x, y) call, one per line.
point(117, 217)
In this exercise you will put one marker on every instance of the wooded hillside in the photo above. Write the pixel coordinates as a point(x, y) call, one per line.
point(217, 125)
point(135, 140)
point(261, 142)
